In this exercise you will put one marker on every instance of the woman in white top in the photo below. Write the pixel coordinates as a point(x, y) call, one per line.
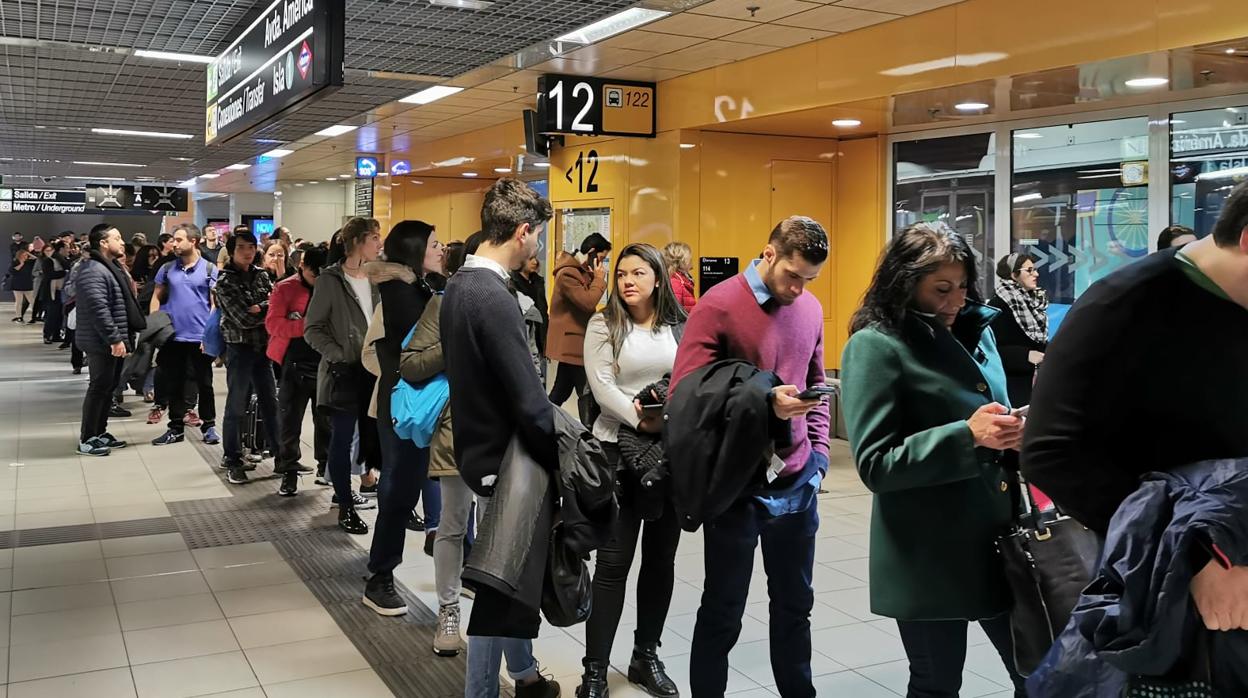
point(628, 346)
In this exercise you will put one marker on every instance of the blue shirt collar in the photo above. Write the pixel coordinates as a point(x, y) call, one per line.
point(761, 293)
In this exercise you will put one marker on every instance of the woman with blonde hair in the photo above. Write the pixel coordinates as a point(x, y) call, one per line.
point(679, 259)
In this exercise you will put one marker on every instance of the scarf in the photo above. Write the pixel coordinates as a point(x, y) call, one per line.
point(134, 316)
point(1029, 308)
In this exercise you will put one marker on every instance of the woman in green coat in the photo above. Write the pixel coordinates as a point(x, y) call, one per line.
point(925, 403)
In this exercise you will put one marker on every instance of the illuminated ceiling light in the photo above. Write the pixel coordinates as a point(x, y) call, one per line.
point(542, 165)
point(1028, 135)
point(278, 153)
point(298, 184)
point(470, 174)
point(688, 146)
point(171, 56)
point(1223, 174)
point(453, 162)
point(846, 123)
point(1230, 52)
point(187, 183)
point(610, 26)
point(211, 175)
point(277, 193)
point(1148, 82)
point(971, 106)
point(238, 166)
point(144, 134)
point(431, 94)
point(313, 182)
point(345, 176)
point(463, 4)
point(181, 159)
point(107, 164)
point(503, 170)
point(1028, 197)
point(336, 130)
point(331, 179)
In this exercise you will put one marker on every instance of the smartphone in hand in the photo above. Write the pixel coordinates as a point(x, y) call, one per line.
point(817, 392)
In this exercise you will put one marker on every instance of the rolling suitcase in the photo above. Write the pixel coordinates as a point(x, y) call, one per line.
point(253, 436)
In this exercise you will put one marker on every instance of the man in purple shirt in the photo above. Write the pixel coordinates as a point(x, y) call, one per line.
point(764, 316)
point(184, 291)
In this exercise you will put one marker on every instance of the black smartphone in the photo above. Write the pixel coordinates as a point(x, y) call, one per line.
point(817, 392)
point(653, 408)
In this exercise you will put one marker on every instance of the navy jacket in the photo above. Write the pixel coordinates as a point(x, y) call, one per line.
point(1137, 617)
point(101, 303)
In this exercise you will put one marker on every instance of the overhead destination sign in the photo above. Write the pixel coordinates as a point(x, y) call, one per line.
point(290, 54)
point(43, 201)
point(589, 106)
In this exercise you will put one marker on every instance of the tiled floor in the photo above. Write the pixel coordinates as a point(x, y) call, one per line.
point(148, 616)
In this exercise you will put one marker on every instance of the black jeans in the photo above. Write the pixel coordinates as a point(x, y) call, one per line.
point(343, 424)
point(568, 378)
point(177, 363)
point(615, 559)
point(53, 318)
point(105, 372)
point(937, 652)
point(247, 369)
point(77, 359)
point(789, 560)
point(295, 390)
point(405, 467)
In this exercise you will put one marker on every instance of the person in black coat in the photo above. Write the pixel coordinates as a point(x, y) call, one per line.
point(108, 317)
point(1022, 328)
point(412, 251)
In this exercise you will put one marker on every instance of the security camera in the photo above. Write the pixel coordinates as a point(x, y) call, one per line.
point(46, 180)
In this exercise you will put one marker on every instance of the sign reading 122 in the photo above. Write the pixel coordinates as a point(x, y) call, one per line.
point(585, 106)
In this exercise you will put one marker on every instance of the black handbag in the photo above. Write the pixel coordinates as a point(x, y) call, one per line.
point(1185, 687)
point(1049, 559)
point(567, 590)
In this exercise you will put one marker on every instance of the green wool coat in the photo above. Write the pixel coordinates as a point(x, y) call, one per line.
point(939, 501)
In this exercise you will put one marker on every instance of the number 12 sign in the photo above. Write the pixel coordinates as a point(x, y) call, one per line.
point(589, 106)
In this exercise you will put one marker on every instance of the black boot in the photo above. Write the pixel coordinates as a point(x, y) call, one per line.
point(648, 672)
point(351, 522)
point(594, 680)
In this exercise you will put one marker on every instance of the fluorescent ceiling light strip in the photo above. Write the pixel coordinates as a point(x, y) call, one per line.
point(107, 164)
point(247, 80)
point(463, 4)
point(277, 153)
point(211, 175)
point(145, 134)
point(238, 166)
point(1028, 197)
point(336, 130)
point(610, 26)
point(171, 56)
point(431, 94)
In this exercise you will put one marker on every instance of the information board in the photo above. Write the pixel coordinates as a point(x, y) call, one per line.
point(163, 198)
point(587, 106)
point(43, 201)
point(290, 54)
point(111, 196)
point(364, 197)
point(713, 270)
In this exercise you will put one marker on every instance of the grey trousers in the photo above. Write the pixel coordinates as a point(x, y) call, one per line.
point(448, 547)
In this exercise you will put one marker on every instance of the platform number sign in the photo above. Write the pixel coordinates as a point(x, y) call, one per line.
point(584, 172)
point(585, 106)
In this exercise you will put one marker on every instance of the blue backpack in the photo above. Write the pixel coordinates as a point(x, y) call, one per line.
point(415, 409)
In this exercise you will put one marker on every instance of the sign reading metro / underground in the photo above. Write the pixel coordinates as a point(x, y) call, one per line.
point(289, 55)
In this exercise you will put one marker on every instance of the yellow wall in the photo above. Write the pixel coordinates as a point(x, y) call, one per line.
point(725, 194)
point(452, 206)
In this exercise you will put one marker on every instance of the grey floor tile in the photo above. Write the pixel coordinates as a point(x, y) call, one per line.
point(64, 625)
point(62, 598)
point(74, 656)
point(283, 627)
point(857, 645)
point(301, 660)
point(266, 599)
point(246, 576)
point(848, 683)
point(159, 587)
point(148, 565)
point(179, 610)
point(110, 683)
point(357, 684)
point(179, 641)
point(58, 553)
point(197, 676)
point(59, 574)
point(143, 545)
point(233, 555)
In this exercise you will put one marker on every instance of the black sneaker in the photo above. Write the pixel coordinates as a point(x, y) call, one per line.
point(118, 411)
point(415, 523)
point(112, 441)
point(236, 476)
point(169, 437)
point(290, 484)
point(381, 596)
point(542, 688)
point(369, 490)
point(356, 500)
point(351, 522)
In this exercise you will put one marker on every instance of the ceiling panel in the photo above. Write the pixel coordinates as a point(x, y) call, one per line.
point(686, 24)
point(762, 11)
point(835, 18)
point(777, 36)
point(643, 40)
point(898, 7)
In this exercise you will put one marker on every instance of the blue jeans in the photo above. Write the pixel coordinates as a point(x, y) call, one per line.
point(485, 654)
point(247, 369)
point(405, 471)
point(789, 559)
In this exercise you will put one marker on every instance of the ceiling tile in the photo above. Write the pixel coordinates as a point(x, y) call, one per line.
point(898, 7)
point(705, 55)
point(647, 74)
point(691, 25)
point(778, 36)
point(764, 11)
point(652, 41)
point(835, 18)
point(611, 55)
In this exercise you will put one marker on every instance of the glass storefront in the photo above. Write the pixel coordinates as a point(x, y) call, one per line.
point(1208, 157)
point(952, 181)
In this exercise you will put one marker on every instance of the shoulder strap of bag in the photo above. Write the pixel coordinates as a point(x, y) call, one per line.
point(678, 331)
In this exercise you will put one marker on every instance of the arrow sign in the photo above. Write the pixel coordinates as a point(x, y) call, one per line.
point(1041, 258)
point(1059, 256)
point(1078, 259)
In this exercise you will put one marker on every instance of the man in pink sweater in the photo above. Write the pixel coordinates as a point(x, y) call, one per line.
point(765, 317)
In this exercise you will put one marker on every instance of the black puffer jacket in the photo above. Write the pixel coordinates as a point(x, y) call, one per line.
point(102, 301)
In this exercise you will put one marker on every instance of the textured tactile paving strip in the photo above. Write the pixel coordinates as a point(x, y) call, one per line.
point(82, 532)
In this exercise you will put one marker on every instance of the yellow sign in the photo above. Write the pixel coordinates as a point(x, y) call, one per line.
point(627, 109)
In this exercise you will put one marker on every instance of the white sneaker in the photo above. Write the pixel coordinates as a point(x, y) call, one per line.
point(446, 639)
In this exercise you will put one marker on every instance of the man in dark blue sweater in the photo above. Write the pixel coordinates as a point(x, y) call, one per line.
point(496, 389)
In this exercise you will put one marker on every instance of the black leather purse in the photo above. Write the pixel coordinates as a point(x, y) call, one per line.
point(1199, 664)
point(1049, 559)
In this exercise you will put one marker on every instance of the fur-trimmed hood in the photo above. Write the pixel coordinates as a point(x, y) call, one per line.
point(380, 272)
